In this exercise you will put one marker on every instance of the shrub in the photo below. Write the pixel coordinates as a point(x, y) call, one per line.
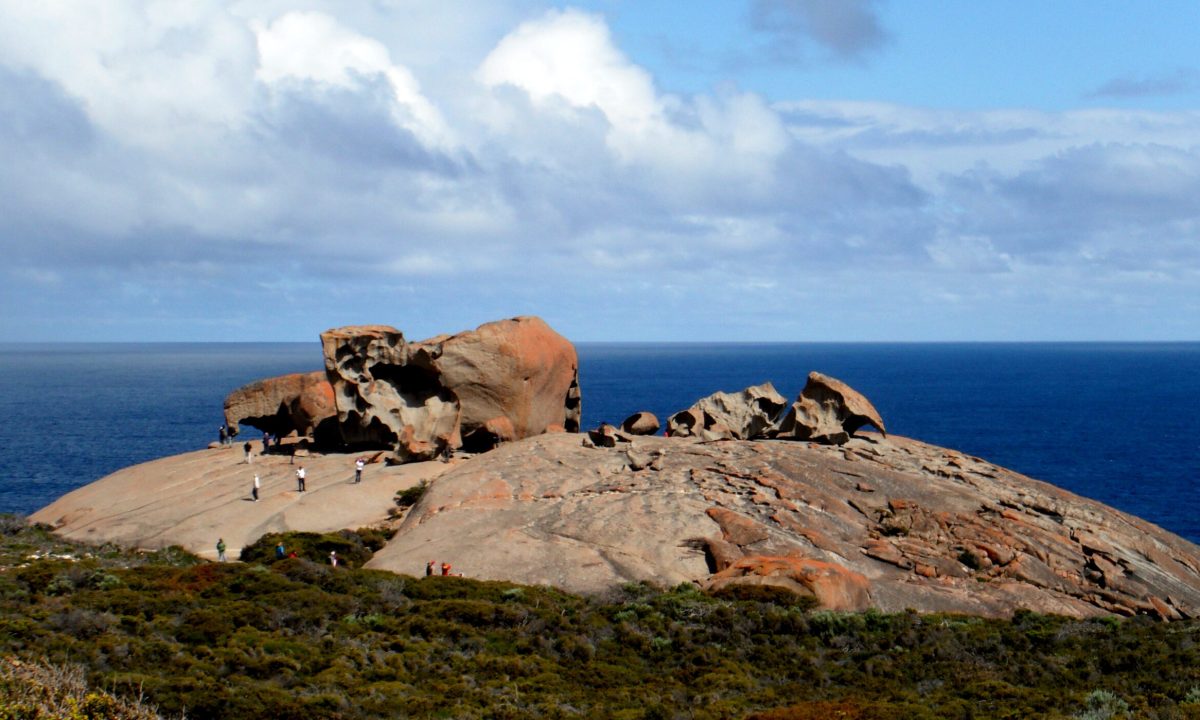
point(41, 690)
point(11, 524)
point(1103, 705)
point(350, 546)
point(409, 496)
point(766, 594)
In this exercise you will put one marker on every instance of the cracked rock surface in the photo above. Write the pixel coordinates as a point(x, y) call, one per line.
point(884, 522)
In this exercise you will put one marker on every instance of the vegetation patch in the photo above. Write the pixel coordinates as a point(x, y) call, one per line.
point(298, 638)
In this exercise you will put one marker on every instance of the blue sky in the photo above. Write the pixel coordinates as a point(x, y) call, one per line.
point(838, 170)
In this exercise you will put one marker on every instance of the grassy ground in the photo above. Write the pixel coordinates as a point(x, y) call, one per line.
point(296, 638)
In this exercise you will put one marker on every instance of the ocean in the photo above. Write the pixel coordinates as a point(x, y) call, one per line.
point(1104, 420)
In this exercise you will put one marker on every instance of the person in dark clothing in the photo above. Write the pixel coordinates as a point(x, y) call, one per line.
point(429, 568)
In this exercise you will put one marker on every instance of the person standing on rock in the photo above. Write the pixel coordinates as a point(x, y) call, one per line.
point(280, 551)
point(333, 558)
point(222, 436)
point(300, 479)
point(247, 448)
point(254, 490)
point(220, 549)
point(359, 464)
point(429, 568)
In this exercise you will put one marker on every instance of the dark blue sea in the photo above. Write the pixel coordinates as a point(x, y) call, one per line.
point(1109, 421)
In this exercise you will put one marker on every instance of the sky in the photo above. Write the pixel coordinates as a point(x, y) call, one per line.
point(642, 170)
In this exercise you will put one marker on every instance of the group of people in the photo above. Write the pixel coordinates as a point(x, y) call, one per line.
point(301, 476)
point(431, 569)
point(226, 433)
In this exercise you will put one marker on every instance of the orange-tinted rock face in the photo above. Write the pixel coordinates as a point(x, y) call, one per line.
point(519, 369)
point(301, 402)
point(833, 586)
point(505, 380)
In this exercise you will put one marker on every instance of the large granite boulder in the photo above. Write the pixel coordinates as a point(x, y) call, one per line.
point(301, 403)
point(505, 380)
point(827, 411)
point(745, 415)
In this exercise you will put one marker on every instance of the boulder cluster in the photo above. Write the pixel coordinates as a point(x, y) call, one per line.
point(503, 381)
point(827, 411)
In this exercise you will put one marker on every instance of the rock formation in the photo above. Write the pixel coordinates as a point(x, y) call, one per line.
point(301, 402)
point(504, 381)
point(740, 416)
point(878, 522)
point(852, 520)
point(827, 411)
point(641, 423)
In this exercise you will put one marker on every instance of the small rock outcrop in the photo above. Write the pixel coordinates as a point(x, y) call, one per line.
point(746, 415)
point(301, 403)
point(828, 411)
point(504, 381)
point(641, 423)
point(831, 585)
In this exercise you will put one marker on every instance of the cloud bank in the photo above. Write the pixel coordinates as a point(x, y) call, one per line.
point(247, 170)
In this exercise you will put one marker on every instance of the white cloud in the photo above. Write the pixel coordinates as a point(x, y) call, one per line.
point(568, 66)
point(313, 46)
point(569, 55)
point(148, 72)
point(246, 149)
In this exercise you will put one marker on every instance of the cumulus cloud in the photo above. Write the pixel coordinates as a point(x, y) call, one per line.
point(330, 164)
point(310, 46)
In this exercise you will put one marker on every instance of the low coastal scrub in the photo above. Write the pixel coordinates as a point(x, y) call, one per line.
point(36, 691)
point(297, 638)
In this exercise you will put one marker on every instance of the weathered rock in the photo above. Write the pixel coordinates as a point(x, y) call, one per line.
point(827, 411)
point(546, 510)
point(746, 415)
point(641, 423)
point(606, 436)
point(301, 403)
point(503, 381)
point(833, 586)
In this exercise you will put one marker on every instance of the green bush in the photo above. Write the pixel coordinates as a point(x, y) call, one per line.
point(409, 496)
point(353, 548)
